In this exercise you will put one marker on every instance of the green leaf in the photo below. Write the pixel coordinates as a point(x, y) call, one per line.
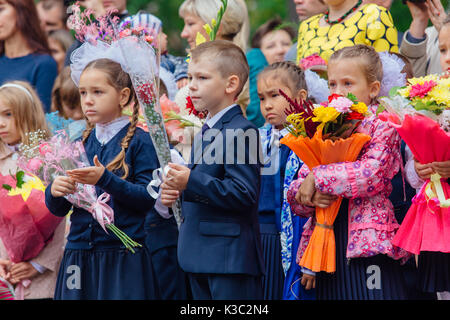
point(352, 97)
point(19, 179)
point(393, 91)
point(380, 109)
point(7, 187)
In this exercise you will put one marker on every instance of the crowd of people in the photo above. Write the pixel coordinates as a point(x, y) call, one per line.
point(242, 233)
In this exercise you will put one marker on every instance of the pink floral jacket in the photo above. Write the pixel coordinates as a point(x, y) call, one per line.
point(367, 184)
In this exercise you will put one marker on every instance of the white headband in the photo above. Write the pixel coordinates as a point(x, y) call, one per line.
point(17, 86)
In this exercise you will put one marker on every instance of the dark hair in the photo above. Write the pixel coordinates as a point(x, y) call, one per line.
point(288, 73)
point(228, 58)
point(269, 26)
point(27, 22)
point(119, 79)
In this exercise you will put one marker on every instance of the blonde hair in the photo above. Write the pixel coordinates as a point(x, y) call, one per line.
point(119, 79)
point(65, 91)
point(235, 24)
point(27, 110)
point(369, 60)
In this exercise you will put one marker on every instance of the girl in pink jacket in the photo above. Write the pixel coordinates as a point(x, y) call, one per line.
point(368, 266)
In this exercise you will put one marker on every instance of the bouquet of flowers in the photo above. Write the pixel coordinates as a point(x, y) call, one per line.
point(420, 112)
point(320, 135)
point(26, 225)
point(50, 158)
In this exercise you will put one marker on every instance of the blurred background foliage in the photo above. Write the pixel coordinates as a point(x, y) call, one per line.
point(259, 11)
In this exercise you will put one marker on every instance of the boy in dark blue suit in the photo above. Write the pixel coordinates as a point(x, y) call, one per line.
point(219, 244)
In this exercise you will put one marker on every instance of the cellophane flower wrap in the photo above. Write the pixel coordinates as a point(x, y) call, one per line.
point(321, 135)
point(48, 159)
point(420, 112)
point(26, 225)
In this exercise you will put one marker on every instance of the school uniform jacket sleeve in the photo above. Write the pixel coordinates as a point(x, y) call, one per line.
point(58, 206)
point(239, 187)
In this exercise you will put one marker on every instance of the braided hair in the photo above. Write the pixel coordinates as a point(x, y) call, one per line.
point(288, 73)
point(119, 79)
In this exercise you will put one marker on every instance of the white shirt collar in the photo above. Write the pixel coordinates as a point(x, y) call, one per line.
point(212, 121)
point(277, 135)
point(104, 132)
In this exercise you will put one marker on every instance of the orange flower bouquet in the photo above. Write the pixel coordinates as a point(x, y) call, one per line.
point(320, 135)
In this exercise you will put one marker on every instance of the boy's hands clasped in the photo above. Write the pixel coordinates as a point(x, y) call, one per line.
point(174, 183)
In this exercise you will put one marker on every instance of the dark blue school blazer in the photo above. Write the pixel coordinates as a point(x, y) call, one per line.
point(220, 230)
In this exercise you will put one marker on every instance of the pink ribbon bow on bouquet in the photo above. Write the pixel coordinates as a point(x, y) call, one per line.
point(102, 212)
point(104, 215)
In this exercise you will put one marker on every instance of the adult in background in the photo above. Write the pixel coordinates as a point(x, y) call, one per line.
point(347, 23)
point(270, 43)
point(52, 14)
point(235, 27)
point(305, 9)
point(24, 50)
point(420, 42)
point(387, 4)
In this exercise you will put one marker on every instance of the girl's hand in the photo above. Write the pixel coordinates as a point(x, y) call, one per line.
point(4, 268)
point(443, 168)
point(62, 186)
point(308, 281)
point(88, 175)
point(21, 271)
point(306, 191)
point(424, 171)
point(323, 200)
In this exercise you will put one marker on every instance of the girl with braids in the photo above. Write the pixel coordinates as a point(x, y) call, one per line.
point(95, 264)
point(280, 231)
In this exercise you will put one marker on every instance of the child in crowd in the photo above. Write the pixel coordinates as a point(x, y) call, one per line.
point(66, 108)
point(365, 224)
point(434, 267)
point(275, 216)
point(219, 242)
point(21, 112)
point(123, 159)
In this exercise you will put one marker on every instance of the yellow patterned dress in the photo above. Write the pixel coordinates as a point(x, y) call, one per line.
point(371, 25)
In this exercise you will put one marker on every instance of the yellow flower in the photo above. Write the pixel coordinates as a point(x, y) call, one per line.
point(30, 184)
point(199, 39)
point(213, 22)
point(325, 114)
point(441, 92)
point(360, 107)
point(207, 28)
